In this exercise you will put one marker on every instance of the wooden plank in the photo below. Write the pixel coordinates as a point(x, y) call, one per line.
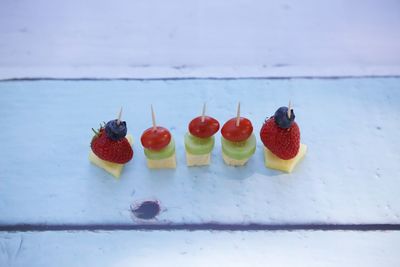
point(200, 249)
point(350, 174)
point(208, 39)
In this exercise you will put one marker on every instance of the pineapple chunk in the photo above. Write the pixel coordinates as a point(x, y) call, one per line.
point(167, 163)
point(197, 160)
point(114, 169)
point(274, 162)
point(234, 162)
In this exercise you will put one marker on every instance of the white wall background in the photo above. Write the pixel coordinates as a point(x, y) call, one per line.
point(151, 38)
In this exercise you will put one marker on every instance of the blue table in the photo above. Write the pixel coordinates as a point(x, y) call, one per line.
point(348, 180)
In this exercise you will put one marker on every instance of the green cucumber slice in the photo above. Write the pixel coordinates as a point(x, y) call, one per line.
point(166, 152)
point(239, 150)
point(198, 146)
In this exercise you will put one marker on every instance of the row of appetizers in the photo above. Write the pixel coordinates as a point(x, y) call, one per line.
point(111, 147)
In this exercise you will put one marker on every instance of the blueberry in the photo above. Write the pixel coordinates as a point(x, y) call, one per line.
point(282, 119)
point(116, 131)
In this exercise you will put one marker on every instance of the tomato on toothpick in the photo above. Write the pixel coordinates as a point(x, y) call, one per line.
point(156, 137)
point(203, 129)
point(237, 129)
point(203, 126)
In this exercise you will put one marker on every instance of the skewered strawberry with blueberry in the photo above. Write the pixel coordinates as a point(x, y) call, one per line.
point(280, 135)
point(111, 146)
point(110, 143)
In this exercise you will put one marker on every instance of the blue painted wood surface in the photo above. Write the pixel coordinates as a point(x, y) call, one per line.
point(214, 249)
point(350, 174)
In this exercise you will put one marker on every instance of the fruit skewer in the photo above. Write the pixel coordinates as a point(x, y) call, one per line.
point(111, 147)
point(280, 135)
point(238, 140)
point(199, 141)
point(159, 146)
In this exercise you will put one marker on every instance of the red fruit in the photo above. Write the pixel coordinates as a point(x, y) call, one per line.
point(109, 150)
point(203, 129)
point(284, 143)
point(155, 139)
point(235, 133)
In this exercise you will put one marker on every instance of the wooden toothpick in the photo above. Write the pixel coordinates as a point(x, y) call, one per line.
point(153, 117)
point(203, 114)
point(289, 112)
point(238, 115)
point(119, 116)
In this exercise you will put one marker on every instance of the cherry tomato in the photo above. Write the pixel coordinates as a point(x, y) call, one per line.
point(235, 133)
point(203, 129)
point(155, 139)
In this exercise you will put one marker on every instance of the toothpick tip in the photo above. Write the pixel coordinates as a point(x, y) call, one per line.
point(203, 113)
point(153, 117)
point(238, 115)
point(119, 116)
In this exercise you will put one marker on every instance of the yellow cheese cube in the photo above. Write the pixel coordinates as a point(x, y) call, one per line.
point(234, 162)
point(114, 169)
point(197, 160)
point(167, 163)
point(274, 162)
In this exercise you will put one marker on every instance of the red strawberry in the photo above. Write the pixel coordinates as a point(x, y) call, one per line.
point(119, 151)
point(283, 142)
